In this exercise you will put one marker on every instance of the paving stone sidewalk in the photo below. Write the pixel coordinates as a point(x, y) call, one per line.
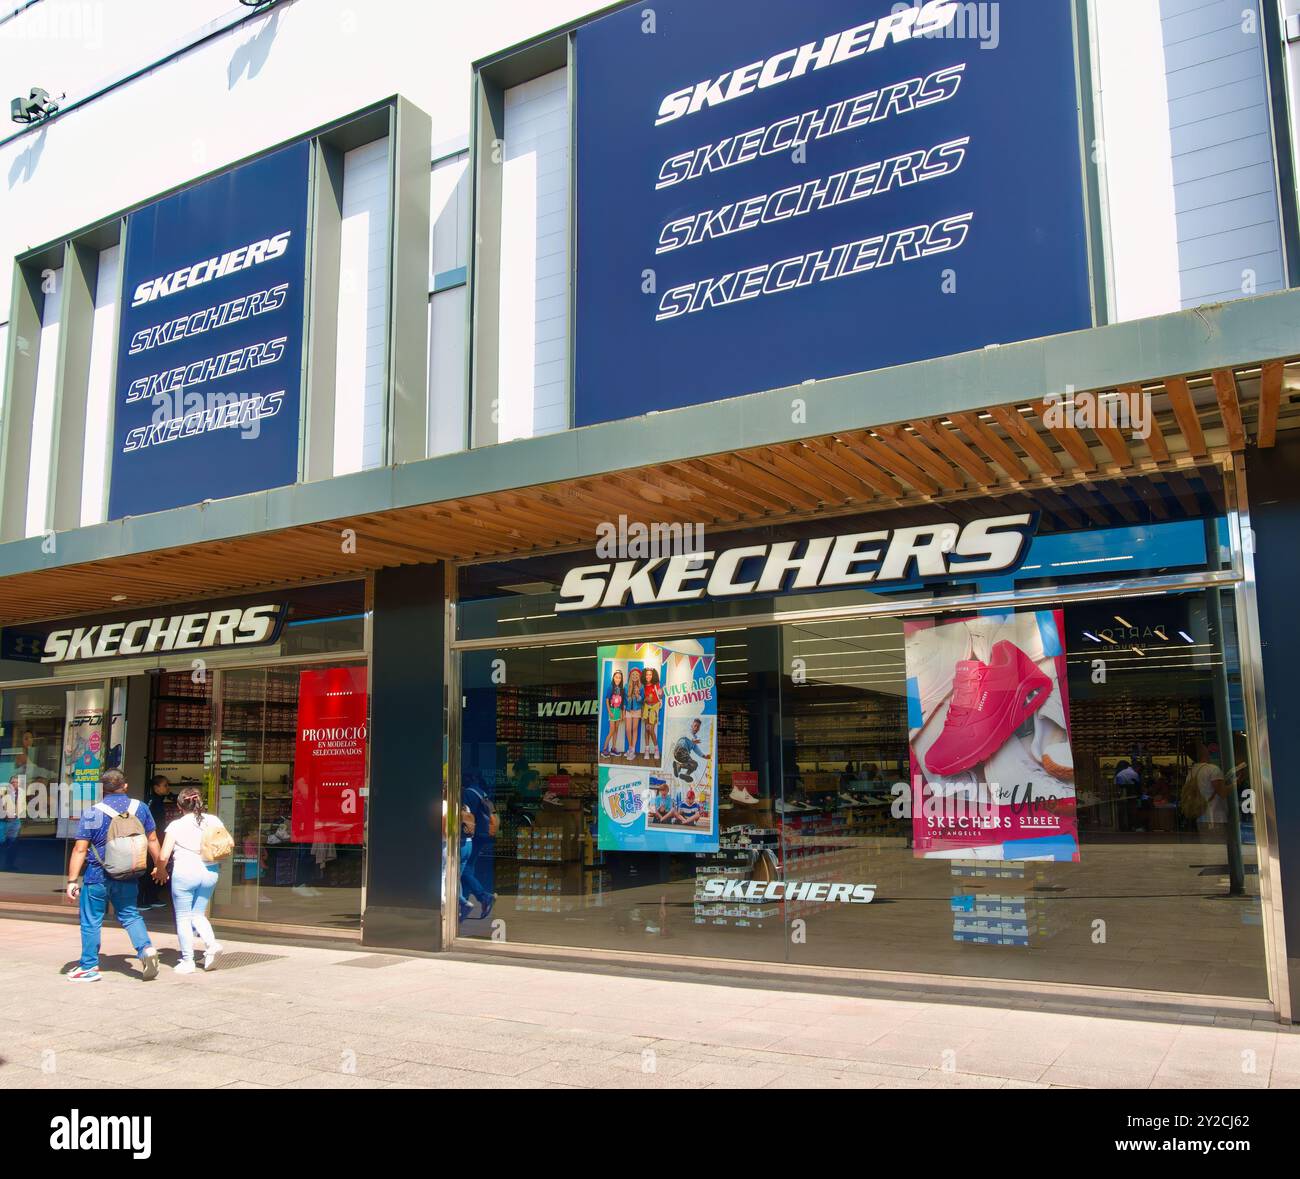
point(302, 1017)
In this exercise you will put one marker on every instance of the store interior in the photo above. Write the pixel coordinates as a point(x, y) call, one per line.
point(814, 758)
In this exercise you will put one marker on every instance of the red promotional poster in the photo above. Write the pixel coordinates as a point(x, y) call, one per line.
point(989, 716)
point(329, 766)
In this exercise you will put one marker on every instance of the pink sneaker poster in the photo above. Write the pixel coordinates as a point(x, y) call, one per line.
point(989, 729)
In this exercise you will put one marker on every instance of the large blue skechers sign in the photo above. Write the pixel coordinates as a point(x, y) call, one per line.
point(209, 360)
point(772, 191)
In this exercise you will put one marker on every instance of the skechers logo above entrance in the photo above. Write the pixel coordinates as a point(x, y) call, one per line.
point(995, 544)
point(903, 25)
point(205, 270)
point(203, 630)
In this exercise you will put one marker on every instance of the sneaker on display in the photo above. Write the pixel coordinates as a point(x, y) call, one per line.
point(989, 702)
point(739, 794)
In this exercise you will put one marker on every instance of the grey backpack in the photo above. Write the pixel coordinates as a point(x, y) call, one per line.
point(126, 850)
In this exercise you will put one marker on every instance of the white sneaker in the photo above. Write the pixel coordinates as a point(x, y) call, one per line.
point(740, 795)
point(184, 966)
point(211, 954)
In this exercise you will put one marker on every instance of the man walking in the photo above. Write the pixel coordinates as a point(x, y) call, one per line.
point(101, 889)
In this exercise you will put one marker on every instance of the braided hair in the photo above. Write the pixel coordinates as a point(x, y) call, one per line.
point(190, 801)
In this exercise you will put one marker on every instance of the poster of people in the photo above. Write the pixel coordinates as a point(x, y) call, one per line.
point(83, 756)
point(657, 746)
point(989, 722)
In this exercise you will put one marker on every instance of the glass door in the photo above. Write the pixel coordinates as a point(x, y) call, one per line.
point(296, 862)
point(56, 740)
point(241, 707)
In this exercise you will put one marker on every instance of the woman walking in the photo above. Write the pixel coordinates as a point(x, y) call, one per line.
point(194, 878)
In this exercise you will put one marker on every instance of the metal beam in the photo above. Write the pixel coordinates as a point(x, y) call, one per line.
point(1225, 336)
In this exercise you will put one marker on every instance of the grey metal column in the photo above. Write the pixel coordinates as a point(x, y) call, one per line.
point(1275, 523)
point(404, 869)
point(323, 313)
point(80, 275)
point(408, 321)
point(485, 263)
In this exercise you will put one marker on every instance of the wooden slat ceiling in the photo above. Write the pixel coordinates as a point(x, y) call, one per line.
point(1002, 449)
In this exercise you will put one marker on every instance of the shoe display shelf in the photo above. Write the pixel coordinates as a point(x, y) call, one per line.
point(738, 857)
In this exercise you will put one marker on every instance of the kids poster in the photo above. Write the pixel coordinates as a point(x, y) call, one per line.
point(657, 746)
point(989, 726)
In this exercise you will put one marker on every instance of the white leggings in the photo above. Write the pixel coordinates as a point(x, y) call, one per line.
point(192, 888)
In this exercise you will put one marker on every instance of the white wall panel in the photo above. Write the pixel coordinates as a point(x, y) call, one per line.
point(99, 388)
point(363, 311)
point(47, 367)
point(533, 393)
point(448, 403)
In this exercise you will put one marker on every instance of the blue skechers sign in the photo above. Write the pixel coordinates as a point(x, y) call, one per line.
point(209, 368)
point(770, 192)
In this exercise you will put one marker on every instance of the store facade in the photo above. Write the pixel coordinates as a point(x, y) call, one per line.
point(260, 701)
point(885, 400)
point(1064, 849)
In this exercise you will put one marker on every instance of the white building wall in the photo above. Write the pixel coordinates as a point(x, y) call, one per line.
point(363, 311)
point(532, 385)
point(300, 65)
point(449, 204)
point(99, 388)
point(47, 367)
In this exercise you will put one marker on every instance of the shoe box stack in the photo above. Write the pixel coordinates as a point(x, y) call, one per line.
point(559, 888)
point(744, 853)
point(733, 737)
point(998, 918)
point(544, 738)
point(181, 683)
point(819, 846)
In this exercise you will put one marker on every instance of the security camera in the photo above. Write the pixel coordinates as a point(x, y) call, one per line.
point(35, 107)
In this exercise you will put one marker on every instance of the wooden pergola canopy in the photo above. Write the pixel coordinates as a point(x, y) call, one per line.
point(1020, 446)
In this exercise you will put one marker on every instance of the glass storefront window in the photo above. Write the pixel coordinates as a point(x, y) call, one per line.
point(55, 742)
point(1107, 745)
point(290, 866)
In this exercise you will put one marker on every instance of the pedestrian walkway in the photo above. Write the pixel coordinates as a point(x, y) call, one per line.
point(304, 1017)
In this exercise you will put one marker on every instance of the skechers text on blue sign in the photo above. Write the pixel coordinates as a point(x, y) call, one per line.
point(770, 192)
point(209, 368)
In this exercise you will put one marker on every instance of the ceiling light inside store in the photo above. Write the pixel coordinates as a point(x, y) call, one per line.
point(118, 598)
